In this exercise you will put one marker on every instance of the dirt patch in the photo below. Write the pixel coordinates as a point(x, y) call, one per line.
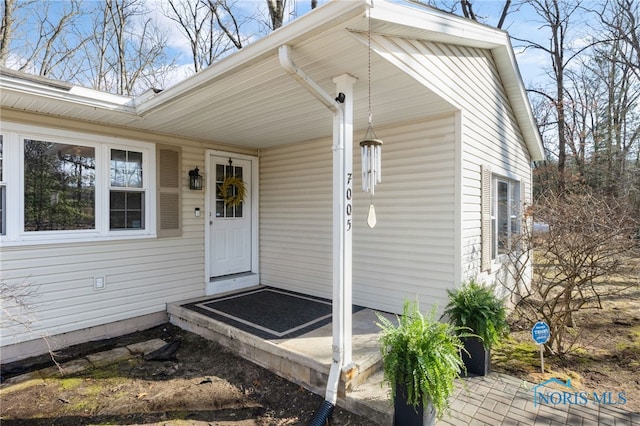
point(203, 384)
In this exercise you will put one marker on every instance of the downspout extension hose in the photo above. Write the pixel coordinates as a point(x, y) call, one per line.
point(322, 415)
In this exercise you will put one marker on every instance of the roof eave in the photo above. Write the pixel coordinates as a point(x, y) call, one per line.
point(325, 17)
point(27, 85)
point(445, 26)
point(508, 68)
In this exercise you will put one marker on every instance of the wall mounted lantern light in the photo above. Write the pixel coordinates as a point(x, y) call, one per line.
point(195, 180)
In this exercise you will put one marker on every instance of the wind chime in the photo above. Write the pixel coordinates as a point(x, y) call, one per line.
point(371, 150)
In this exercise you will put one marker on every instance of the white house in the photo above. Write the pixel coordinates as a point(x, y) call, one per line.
point(98, 215)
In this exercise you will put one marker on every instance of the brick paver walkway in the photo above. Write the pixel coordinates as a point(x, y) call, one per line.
point(498, 399)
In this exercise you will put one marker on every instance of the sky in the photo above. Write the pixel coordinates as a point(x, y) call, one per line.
point(522, 23)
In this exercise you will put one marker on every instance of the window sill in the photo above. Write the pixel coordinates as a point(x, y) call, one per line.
point(51, 240)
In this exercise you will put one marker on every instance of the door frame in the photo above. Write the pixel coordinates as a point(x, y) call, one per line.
point(234, 282)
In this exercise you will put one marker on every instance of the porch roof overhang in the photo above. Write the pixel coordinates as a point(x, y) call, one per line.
point(248, 100)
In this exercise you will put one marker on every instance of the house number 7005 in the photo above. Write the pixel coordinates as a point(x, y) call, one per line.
point(348, 206)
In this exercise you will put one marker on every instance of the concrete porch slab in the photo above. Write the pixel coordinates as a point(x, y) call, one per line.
point(304, 360)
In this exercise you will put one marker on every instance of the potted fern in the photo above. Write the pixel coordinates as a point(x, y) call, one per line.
point(421, 359)
point(477, 308)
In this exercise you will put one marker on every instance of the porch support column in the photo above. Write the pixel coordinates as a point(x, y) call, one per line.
point(342, 109)
point(343, 222)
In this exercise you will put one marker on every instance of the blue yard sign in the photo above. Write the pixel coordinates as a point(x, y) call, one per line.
point(541, 333)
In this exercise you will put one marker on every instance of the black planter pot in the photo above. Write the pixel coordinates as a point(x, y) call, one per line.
point(478, 358)
point(407, 415)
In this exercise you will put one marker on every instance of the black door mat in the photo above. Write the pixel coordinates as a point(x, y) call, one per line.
point(269, 313)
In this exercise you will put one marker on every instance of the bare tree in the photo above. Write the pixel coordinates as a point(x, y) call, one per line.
point(276, 12)
point(134, 52)
point(617, 62)
point(18, 304)
point(197, 22)
point(8, 26)
point(622, 19)
point(581, 115)
point(558, 18)
point(100, 69)
point(17, 310)
point(590, 115)
point(227, 21)
point(127, 55)
point(602, 96)
point(617, 131)
point(41, 38)
point(466, 9)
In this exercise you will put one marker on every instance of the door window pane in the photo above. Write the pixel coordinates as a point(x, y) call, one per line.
point(223, 209)
point(59, 186)
point(237, 210)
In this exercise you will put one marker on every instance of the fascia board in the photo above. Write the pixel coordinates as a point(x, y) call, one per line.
point(509, 70)
point(75, 95)
point(447, 27)
point(326, 17)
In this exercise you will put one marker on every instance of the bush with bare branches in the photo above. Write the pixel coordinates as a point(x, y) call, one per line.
point(17, 305)
point(578, 246)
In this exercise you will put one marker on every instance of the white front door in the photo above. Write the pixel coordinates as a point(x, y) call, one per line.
point(230, 224)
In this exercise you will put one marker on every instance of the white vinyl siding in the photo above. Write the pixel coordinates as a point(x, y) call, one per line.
point(135, 284)
point(296, 217)
point(141, 275)
point(468, 78)
point(410, 252)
